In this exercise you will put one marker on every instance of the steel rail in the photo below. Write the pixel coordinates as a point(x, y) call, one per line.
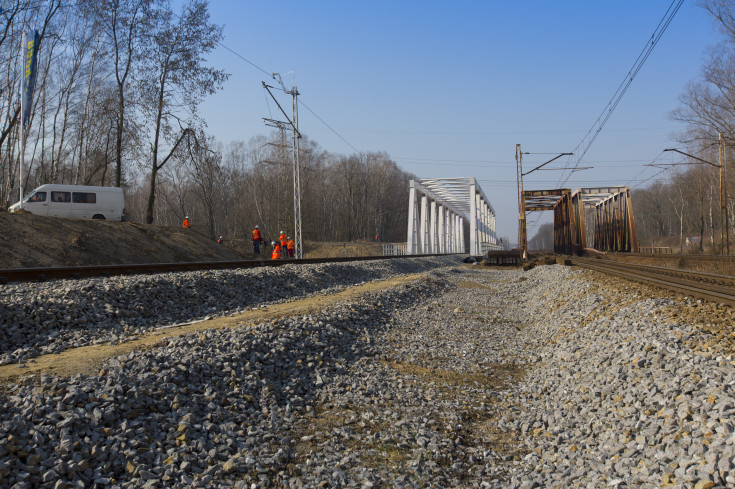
point(674, 256)
point(76, 272)
point(708, 286)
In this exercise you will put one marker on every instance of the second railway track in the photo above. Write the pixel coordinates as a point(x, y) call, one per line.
point(708, 286)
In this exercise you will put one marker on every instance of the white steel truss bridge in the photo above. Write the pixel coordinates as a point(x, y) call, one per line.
point(437, 211)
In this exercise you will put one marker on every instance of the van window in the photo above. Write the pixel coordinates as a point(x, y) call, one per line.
point(60, 196)
point(37, 197)
point(83, 198)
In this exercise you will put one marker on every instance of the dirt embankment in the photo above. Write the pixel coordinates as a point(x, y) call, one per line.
point(28, 241)
point(36, 241)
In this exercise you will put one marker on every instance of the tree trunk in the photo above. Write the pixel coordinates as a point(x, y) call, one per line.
point(151, 194)
point(681, 231)
point(701, 234)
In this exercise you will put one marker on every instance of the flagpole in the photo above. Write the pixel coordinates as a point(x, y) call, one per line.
point(22, 111)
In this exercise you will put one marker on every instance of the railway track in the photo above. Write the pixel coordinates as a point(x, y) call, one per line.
point(708, 286)
point(674, 256)
point(42, 274)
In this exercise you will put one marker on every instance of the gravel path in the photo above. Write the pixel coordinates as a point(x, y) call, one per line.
point(467, 378)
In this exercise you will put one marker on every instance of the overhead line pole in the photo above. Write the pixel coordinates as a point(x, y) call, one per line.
point(521, 201)
point(298, 234)
point(522, 232)
point(723, 193)
point(724, 224)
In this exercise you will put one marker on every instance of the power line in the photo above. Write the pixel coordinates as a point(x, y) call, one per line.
point(645, 169)
point(550, 182)
point(424, 161)
point(623, 87)
point(449, 160)
point(328, 126)
point(271, 75)
point(246, 60)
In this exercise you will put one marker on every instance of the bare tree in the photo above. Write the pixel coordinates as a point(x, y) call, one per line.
point(177, 79)
point(204, 166)
point(122, 22)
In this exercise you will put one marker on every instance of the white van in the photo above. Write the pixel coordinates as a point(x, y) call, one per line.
point(75, 201)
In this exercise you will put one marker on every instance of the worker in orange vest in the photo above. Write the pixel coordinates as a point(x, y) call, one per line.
point(276, 254)
point(220, 240)
point(284, 241)
point(256, 240)
point(290, 245)
point(186, 224)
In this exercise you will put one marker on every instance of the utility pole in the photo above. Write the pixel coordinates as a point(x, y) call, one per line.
point(521, 201)
point(724, 224)
point(723, 196)
point(522, 233)
point(298, 235)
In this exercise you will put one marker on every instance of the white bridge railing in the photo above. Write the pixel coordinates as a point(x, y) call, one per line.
point(394, 249)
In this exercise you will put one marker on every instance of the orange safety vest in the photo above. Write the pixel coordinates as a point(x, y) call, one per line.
point(283, 239)
point(256, 235)
point(276, 255)
point(186, 224)
point(291, 245)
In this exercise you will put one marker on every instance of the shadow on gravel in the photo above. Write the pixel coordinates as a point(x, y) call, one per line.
point(208, 406)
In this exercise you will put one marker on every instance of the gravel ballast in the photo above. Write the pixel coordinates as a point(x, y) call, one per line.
point(468, 377)
point(49, 317)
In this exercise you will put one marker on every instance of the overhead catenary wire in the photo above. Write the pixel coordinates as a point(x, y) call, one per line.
point(602, 119)
point(300, 101)
point(644, 170)
point(246, 60)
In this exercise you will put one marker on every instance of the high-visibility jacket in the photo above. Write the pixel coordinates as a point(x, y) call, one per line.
point(283, 239)
point(186, 224)
point(291, 245)
point(276, 255)
point(256, 235)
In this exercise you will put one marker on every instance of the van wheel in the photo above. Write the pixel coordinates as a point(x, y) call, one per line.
point(98, 216)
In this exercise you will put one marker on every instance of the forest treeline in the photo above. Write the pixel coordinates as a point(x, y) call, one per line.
point(118, 88)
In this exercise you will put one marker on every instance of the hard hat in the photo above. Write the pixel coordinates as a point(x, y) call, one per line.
point(289, 237)
point(282, 232)
point(220, 237)
point(256, 226)
point(273, 243)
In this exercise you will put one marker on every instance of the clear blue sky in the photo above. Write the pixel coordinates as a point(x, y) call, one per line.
point(447, 89)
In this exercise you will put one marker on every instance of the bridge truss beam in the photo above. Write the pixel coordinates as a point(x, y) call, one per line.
point(437, 210)
point(611, 213)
